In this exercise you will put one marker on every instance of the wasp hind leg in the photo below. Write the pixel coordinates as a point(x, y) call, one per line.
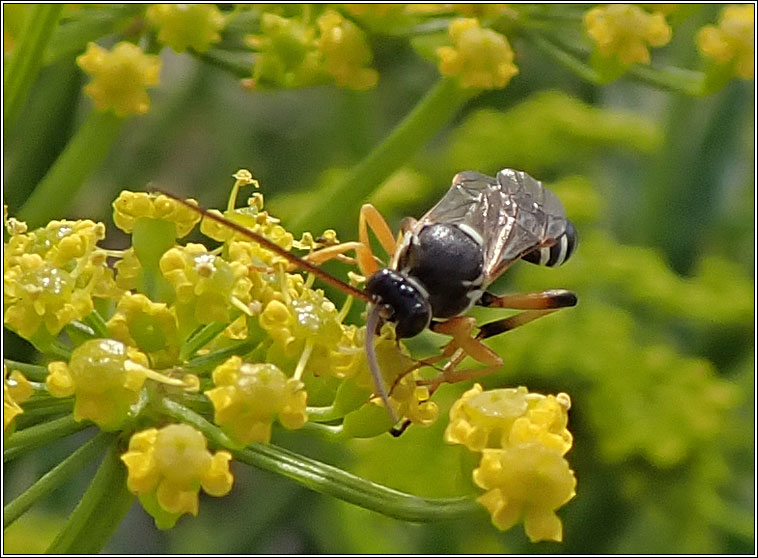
point(369, 218)
point(535, 305)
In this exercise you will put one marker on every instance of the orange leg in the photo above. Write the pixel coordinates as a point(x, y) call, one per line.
point(463, 344)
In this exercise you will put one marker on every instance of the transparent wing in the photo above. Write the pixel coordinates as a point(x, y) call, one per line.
point(512, 213)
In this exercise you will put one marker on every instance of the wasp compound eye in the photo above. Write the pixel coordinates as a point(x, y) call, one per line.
point(411, 310)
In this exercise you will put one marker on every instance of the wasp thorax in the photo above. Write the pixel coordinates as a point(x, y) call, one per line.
point(405, 304)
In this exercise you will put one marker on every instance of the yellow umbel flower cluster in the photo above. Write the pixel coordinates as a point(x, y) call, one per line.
point(248, 397)
point(119, 77)
point(51, 275)
point(732, 40)
point(106, 377)
point(346, 52)
point(480, 58)
point(167, 468)
point(624, 31)
point(183, 26)
point(16, 390)
point(523, 438)
point(132, 206)
point(294, 53)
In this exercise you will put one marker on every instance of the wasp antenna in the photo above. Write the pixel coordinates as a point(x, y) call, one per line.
point(373, 363)
point(271, 246)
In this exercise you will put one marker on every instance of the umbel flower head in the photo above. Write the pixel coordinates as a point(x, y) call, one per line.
point(167, 468)
point(183, 26)
point(480, 57)
point(624, 31)
point(50, 276)
point(523, 438)
point(106, 377)
point(119, 77)
point(732, 40)
point(248, 397)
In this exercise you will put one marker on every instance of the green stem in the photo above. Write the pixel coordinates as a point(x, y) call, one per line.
point(200, 339)
point(55, 192)
point(96, 321)
point(326, 479)
point(435, 110)
point(672, 79)
point(55, 477)
point(32, 372)
point(99, 512)
point(40, 435)
point(26, 61)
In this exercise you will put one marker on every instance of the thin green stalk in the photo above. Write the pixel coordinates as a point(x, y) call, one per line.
point(99, 512)
point(55, 477)
point(200, 339)
point(326, 479)
point(32, 372)
point(39, 435)
point(435, 110)
point(84, 152)
point(26, 61)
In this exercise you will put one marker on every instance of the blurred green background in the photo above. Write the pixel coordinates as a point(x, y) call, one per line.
point(658, 356)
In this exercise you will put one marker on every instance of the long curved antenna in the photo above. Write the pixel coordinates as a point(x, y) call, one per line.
point(266, 243)
point(373, 363)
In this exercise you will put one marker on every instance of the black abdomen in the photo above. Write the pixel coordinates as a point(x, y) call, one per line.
point(447, 262)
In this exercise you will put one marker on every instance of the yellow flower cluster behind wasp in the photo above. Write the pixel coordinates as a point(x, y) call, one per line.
point(625, 31)
point(480, 58)
point(732, 40)
point(167, 468)
point(119, 77)
point(293, 53)
point(183, 26)
point(522, 437)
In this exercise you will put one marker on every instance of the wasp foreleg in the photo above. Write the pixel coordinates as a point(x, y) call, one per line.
point(540, 300)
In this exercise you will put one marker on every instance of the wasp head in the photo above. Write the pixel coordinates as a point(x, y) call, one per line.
point(400, 301)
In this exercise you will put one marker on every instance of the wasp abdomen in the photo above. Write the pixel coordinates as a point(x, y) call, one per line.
point(558, 253)
point(447, 262)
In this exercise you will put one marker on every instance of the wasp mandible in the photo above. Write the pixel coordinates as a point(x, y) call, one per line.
point(442, 264)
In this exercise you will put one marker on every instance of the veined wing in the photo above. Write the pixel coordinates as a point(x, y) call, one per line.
point(512, 214)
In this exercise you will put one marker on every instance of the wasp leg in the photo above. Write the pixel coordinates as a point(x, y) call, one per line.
point(463, 344)
point(363, 254)
point(371, 218)
point(540, 300)
point(535, 305)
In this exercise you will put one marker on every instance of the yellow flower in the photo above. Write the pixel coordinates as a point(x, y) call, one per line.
point(286, 53)
point(529, 482)
point(624, 31)
point(51, 275)
point(151, 326)
point(206, 286)
point(38, 294)
point(16, 390)
point(172, 464)
point(184, 26)
point(346, 52)
point(132, 206)
point(522, 437)
point(120, 77)
point(248, 397)
point(732, 41)
point(481, 57)
point(106, 377)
